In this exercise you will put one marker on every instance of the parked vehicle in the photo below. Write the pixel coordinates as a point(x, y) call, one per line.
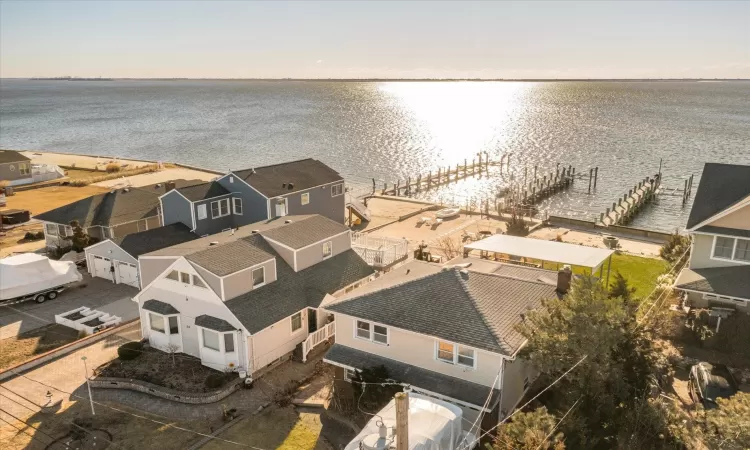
point(707, 382)
point(31, 276)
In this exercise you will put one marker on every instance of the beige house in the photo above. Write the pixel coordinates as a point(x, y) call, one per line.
point(447, 332)
point(245, 299)
point(718, 274)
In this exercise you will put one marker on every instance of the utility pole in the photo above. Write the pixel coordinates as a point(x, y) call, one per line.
point(402, 421)
point(88, 385)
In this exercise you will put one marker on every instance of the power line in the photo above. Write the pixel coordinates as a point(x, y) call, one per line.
point(138, 416)
point(558, 424)
point(68, 421)
point(484, 406)
point(532, 399)
point(27, 433)
point(29, 425)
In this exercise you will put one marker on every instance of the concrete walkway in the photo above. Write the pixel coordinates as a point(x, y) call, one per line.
point(66, 374)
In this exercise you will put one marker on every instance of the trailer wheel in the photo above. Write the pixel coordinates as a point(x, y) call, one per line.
point(51, 295)
point(40, 298)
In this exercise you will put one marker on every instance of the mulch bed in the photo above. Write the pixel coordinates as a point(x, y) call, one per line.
point(156, 367)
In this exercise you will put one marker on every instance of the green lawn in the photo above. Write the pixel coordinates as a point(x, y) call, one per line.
point(640, 272)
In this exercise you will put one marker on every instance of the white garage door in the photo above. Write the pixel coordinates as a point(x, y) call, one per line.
point(102, 267)
point(128, 273)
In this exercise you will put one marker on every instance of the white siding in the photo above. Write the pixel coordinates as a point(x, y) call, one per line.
point(275, 341)
point(191, 302)
point(419, 350)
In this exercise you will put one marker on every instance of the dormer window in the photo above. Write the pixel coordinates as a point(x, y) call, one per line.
point(186, 278)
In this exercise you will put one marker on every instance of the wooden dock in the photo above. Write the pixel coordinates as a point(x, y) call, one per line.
point(630, 204)
point(442, 177)
point(525, 196)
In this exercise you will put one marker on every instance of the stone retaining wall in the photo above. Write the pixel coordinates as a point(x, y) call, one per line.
point(636, 233)
point(195, 398)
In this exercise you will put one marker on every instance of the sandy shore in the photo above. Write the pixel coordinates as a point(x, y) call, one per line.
point(81, 161)
point(158, 177)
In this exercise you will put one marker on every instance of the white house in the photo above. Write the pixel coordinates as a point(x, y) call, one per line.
point(448, 332)
point(718, 274)
point(246, 298)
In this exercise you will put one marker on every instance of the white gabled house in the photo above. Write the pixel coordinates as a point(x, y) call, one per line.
point(718, 274)
point(447, 332)
point(246, 298)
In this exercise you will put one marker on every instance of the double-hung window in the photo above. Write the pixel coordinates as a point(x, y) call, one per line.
point(456, 354)
point(337, 189)
point(237, 203)
point(733, 249)
point(327, 249)
point(363, 330)
point(23, 169)
point(724, 247)
point(305, 198)
point(296, 322)
point(220, 208)
point(372, 332)
point(742, 251)
point(228, 342)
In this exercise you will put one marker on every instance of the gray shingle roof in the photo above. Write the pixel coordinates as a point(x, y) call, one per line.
point(730, 281)
point(137, 244)
point(303, 174)
point(306, 231)
point(112, 208)
point(11, 156)
point(462, 306)
point(456, 388)
point(203, 191)
point(724, 230)
point(721, 186)
point(233, 256)
point(159, 307)
point(213, 323)
point(222, 238)
point(294, 291)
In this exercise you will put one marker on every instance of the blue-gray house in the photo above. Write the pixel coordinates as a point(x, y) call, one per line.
point(246, 196)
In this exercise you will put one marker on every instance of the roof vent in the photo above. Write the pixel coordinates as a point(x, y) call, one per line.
point(464, 274)
point(254, 232)
point(291, 186)
point(157, 186)
point(287, 221)
point(112, 191)
point(126, 190)
point(283, 185)
point(252, 170)
point(213, 243)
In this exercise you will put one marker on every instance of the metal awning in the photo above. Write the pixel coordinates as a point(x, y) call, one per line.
point(557, 252)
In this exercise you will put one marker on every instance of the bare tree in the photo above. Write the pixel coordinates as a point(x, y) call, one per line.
point(172, 349)
point(449, 247)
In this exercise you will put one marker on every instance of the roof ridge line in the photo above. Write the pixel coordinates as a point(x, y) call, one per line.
point(501, 342)
point(272, 165)
point(511, 277)
point(384, 289)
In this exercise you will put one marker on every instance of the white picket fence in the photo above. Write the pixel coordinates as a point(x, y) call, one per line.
point(316, 337)
point(378, 251)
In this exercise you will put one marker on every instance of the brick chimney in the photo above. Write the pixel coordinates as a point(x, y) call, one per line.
point(564, 277)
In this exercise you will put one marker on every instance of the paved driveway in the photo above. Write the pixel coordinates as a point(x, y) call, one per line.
point(96, 293)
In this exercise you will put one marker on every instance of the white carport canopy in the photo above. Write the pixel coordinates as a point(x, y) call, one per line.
point(556, 252)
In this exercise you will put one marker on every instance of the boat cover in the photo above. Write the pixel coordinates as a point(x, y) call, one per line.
point(433, 424)
point(29, 273)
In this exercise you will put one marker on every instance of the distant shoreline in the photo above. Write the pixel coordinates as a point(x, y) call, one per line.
point(362, 80)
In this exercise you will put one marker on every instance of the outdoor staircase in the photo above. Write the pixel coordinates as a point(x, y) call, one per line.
point(357, 207)
point(317, 337)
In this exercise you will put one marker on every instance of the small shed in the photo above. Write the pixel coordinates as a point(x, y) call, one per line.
point(527, 251)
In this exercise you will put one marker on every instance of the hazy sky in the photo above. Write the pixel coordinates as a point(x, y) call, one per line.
point(375, 39)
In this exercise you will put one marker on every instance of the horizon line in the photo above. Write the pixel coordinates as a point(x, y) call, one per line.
point(77, 78)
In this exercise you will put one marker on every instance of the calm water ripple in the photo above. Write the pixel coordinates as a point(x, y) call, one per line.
point(392, 130)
